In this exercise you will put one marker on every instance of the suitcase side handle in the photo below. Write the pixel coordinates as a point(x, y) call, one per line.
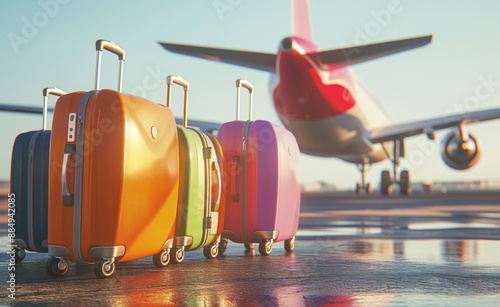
point(178, 80)
point(101, 45)
point(46, 92)
point(235, 196)
point(69, 150)
point(243, 83)
point(216, 168)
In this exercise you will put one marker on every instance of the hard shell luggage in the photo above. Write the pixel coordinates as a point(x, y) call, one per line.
point(263, 195)
point(114, 178)
point(29, 180)
point(200, 212)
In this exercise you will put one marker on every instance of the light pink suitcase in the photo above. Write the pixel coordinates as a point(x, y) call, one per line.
point(263, 185)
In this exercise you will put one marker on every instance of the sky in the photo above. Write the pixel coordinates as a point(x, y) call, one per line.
point(50, 43)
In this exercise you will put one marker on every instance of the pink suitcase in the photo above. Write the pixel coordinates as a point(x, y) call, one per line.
point(263, 185)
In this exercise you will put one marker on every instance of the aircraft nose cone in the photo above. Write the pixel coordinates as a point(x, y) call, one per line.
point(286, 45)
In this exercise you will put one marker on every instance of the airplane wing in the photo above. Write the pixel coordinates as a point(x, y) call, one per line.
point(354, 55)
point(258, 60)
point(23, 109)
point(401, 131)
point(205, 126)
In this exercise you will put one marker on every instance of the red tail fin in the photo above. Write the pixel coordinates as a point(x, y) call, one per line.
point(301, 22)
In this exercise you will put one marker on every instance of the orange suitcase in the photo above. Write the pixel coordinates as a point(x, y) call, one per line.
point(114, 178)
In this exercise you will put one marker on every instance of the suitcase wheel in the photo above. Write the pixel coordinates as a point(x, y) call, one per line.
point(56, 267)
point(162, 258)
point(177, 255)
point(222, 247)
point(20, 254)
point(266, 247)
point(249, 246)
point(211, 251)
point(290, 244)
point(104, 268)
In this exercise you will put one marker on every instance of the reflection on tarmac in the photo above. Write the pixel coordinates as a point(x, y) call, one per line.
point(351, 251)
point(470, 252)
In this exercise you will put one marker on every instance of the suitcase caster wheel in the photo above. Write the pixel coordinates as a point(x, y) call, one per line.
point(222, 247)
point(290, 244)
point(249, 246)
point(177, 255)
point(56, 267)
point(104, 268)
point(162, 258)
point(211, 251)
point(266, 247)
point(20, 254)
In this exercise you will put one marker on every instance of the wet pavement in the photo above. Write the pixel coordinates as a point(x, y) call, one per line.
point(426, 250)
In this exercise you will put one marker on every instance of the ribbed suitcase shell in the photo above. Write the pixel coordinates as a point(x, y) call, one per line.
point(129, 167)
point(29, 182)
point(262, 162)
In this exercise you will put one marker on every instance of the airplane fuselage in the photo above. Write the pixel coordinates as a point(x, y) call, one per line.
point(326, 107)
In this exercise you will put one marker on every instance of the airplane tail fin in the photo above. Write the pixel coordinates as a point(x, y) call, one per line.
point(301, 21)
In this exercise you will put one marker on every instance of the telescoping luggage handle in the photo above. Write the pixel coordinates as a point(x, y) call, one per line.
point(235, 196)
point(176, 79)
point(249, 86)
point(100, 45)
point(46, 92)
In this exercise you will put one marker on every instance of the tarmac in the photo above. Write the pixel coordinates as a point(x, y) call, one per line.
point(351, 250)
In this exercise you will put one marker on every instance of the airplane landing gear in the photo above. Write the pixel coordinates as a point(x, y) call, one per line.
point(404, 183)
point(360, 188)
point(386, 181)
point(363, 185)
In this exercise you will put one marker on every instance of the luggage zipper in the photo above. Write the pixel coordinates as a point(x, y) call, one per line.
point(244, 183)
point(80, 142)
point(31, 165)
point(207, 155)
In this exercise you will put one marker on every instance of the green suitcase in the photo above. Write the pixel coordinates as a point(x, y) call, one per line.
point(200, 210)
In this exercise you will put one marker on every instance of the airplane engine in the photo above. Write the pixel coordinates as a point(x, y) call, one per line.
point(459, 154)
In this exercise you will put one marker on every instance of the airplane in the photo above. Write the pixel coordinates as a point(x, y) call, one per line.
point(332, 113)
